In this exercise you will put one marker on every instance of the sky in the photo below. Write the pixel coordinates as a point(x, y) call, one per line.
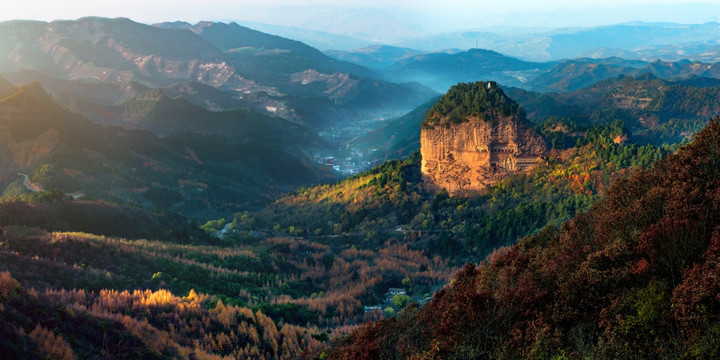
point(377, 19)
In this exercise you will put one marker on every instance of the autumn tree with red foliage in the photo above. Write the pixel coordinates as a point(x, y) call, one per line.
point(636, 276)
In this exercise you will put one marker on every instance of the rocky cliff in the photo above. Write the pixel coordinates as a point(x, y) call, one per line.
point(468, 142)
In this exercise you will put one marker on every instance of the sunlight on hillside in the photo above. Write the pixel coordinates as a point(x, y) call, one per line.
point(359, 180)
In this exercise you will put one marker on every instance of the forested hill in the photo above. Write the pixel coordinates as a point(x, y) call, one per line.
point(193, 173)
point(480, 99)
point(391, 201)
point(634, 277)
point(659, 111)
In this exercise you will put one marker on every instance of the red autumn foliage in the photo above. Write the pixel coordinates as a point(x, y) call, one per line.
point(636, 276)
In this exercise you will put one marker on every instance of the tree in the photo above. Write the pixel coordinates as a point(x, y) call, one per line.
point(400, 301)
point(246, 219)
point(389, 312)
point(213, 226)
point(408, 284)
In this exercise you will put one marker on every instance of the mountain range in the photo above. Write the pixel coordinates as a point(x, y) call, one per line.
point(229, 57)
point(227, 85)
point(632, 40)
point(209, 190)
point(440, 70)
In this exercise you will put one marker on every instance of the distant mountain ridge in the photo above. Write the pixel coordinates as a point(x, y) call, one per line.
point(564, 59)
point(376, 57)
point(441, 70)
point(579, 73)
point(228, 57)
point(650, 105)
point(115, 50)
point(636, 40)
point(644, 102)
point(233, 37)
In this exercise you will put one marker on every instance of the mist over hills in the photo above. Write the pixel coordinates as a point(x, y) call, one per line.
point(225, 56)
point(208, 190)
point(531, 58)
point(208, 79)
point(440, 70)
point(321, 40)
point(376, 57)
point(203, 163)
point(633, 40)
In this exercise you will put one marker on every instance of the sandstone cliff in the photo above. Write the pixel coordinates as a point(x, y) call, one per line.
point(475, 150)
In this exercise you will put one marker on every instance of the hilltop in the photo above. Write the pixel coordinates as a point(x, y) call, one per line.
point(484, 100)
point(475, 136)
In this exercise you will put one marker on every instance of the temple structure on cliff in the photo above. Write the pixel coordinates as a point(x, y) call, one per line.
point(467, 156)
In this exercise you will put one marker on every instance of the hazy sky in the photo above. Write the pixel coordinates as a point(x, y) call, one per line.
point(376, 18)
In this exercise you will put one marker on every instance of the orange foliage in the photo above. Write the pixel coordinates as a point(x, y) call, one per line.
point(7, 284)
point(51, 346)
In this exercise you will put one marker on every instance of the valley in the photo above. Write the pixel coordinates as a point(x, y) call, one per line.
point(208, 190)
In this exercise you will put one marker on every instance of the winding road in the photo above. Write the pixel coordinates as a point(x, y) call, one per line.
point(36, 188)
point(26, 183)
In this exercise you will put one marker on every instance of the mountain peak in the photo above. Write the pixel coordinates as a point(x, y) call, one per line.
point(487, 52)
point(475, 136)
point(485, 100)
point(174, 25)
point(228, 36)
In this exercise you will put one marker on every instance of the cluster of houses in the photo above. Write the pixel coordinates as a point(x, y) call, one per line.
point(372, 308)
point(388, 299)
point(392, 292)
point(346, 167)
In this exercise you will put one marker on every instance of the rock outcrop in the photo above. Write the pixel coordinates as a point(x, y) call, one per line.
point(480, 146)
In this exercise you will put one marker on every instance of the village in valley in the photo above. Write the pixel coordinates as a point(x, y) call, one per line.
point(352, 158)
point(348, 166)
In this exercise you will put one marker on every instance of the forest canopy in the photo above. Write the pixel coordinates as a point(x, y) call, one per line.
point(479, 99)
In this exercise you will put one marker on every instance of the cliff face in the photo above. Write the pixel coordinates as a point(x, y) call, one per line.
point(465, 158)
